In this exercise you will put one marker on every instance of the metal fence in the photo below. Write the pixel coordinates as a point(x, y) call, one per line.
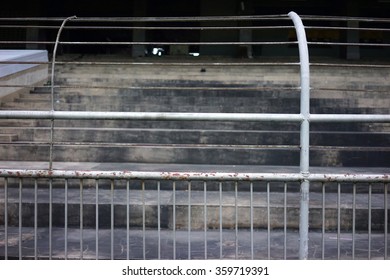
point(206, 215)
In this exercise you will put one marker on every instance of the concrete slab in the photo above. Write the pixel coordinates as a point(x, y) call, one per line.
point(20, 56)
point(19, 76)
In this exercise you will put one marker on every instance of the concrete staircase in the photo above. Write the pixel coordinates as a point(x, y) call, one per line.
point(238, 89)
point(190, 145)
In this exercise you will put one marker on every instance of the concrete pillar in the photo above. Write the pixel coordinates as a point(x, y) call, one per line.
point(140, 9)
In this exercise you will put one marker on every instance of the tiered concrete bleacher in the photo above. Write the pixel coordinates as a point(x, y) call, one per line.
point(203, 146)
point(235, 89)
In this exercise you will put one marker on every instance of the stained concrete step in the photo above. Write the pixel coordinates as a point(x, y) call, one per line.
point(213, 154)
point(201, 125)
point(290, 103)
point(159, 136)
point(85, 94)
point(216, 125)
point(145, 206)
point(197, 92)
point(8, 137)
point(193, 136)
point(255, 107)
point(200, 154)
point(175, 125)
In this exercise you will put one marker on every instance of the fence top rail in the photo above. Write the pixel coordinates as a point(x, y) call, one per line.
point(193, 176)
point(197, 18)
point(152, 19)
point(103, 115)
point(180, 116)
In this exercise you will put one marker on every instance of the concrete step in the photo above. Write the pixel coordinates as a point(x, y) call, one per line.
point(255, 107)
point(197, 136)
point(145, 93)
point(211, 98)
point(215, 154)
point(198, 154)
point(184, 89)
point(217, 125)
point(8, 137)
point(115, 99)
point(158, 136)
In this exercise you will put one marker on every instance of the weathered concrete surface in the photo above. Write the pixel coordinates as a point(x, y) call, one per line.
point(24, 75)
point(234, 88)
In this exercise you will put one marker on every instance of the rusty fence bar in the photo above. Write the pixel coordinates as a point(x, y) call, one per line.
point(194, 176)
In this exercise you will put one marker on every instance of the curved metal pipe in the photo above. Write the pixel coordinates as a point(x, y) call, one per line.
point(52, 88)
point(305, 132)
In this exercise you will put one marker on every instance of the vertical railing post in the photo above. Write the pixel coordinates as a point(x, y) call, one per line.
point(53, 63)
point(305, 133)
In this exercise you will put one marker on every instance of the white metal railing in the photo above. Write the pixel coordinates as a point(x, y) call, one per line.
point(304, 176)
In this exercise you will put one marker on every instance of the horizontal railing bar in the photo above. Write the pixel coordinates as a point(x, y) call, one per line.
point(151, 43)
point(182, 19)
point(379, 90)
point(349, 44)
point(191, 176)
point(149, 175)
point(152, 19)
point(169, 63)
point(343, 18)
point(348, 177)
point(350, 65)
point(196, 27)
point(94, 115)
point(187, 145)
point(235, 88)
point(199, 18)
point(347, 28)
point(180, 43)
point(164, 63)
point(205, 63)
point(349, 118)
point(152, 27)
point(198, 43)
